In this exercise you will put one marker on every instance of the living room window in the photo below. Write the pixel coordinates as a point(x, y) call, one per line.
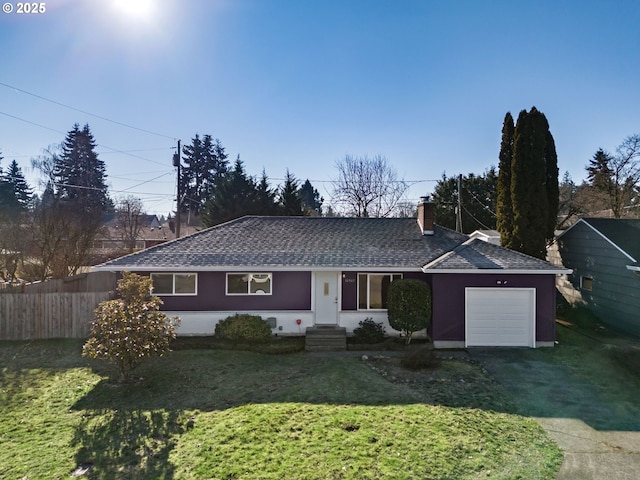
point(175, 283)
point(249, 283)
point(373, 288)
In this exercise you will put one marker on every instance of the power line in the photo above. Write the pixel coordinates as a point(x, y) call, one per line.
point(86, 113)
point(124, 152)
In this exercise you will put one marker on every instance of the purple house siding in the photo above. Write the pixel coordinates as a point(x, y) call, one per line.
point(448, 289)
point(291, 291)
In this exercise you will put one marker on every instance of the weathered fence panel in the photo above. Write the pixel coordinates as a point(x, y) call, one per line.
point(34, 316)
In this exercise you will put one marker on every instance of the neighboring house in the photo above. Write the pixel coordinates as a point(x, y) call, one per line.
point(604, 254)
point(491, 236)
point(116, 236)
point(319, 271)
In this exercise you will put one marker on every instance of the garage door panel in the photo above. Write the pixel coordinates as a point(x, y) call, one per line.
point(500, 317)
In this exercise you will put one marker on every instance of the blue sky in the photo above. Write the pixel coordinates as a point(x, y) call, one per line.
point(299, 84)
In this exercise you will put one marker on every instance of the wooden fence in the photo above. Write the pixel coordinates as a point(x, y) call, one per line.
point(34, 316)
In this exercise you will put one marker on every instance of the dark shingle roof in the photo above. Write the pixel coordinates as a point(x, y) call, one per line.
point(299, 242)
point(321, 242)
point(624, 232)
point(479, 255)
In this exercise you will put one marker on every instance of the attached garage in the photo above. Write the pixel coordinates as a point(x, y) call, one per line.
point(500, 317)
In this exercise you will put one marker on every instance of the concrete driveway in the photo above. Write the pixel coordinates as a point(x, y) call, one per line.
point(596, 421)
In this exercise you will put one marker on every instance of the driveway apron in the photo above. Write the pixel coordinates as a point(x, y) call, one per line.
point(600, 440)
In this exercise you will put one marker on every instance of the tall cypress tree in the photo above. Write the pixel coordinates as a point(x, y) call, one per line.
point(533, 186)
point(504, 208)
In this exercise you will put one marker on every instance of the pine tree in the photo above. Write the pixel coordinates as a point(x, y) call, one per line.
point(290, 201)
point(504, 209)
point(311, 199)
point(205, 165)
point(266, 197)
point(79, 174)
point(18, 193)
point(234, 196)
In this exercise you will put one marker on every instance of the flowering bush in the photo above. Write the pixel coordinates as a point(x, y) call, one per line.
point(131, 328)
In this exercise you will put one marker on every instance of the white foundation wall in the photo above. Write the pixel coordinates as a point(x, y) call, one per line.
point(204, 323)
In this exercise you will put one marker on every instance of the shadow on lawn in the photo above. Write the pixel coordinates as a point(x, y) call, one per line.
point(127, 443)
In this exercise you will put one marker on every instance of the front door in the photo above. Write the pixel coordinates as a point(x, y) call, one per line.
point(326, 298)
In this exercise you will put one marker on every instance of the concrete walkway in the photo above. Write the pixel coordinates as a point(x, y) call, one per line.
point(592, 454)
point(549, 392)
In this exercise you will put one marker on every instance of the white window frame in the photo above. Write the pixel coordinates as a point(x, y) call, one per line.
point(174, 294)
point(369, 274)
point(249, 292)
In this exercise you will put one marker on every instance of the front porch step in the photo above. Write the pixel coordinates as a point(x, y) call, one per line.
point(325, 339)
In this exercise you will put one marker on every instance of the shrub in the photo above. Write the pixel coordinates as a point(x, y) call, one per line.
point(419, 358)
point(250, 328)
point(369, 331)
point(409, 306)
point(131, 328)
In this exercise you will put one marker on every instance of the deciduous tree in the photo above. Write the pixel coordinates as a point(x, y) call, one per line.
point(367, 187)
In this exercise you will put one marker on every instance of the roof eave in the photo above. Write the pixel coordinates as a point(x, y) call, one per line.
point(500, 271)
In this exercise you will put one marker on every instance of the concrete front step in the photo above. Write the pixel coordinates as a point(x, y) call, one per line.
point(323, 339)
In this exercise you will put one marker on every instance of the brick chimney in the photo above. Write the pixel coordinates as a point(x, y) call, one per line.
point(426, 215)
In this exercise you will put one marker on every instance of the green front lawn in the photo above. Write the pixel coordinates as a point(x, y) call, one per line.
point(229, 414)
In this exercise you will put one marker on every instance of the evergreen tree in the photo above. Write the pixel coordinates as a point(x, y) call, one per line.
point(599, 172)
point(205, 165)
point(79, 174)
point(234, 196)
point(17, 196)
point(290, 200)
point(266, 197)
point(311, 199)
point(534, 184)
point(478, 197)
point(551, 185)
point(504, 209)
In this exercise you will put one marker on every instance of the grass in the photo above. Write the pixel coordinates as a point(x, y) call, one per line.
point(245, 415)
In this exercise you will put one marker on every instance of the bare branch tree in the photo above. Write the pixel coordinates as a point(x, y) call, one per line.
point(129, 211)
point(367, 187)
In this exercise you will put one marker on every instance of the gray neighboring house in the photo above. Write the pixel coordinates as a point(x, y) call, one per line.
point(305, 272)
point(604, 254)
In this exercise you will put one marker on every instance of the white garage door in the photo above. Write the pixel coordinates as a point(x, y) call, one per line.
point(500, 317)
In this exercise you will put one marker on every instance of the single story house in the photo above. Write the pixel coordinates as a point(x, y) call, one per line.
point(604, 256)
point(305, 272)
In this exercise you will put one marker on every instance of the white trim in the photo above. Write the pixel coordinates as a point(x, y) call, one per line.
point(173, 294)
point(633, 268)
point(248, 293)
point(498, 271)
point(368, 274)
point(532, 326)
point(582, 220)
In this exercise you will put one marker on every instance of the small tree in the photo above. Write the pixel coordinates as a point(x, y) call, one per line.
point(131, 328)
point(409, 306)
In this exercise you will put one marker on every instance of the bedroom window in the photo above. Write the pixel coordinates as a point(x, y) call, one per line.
point(586, 283)
point(174, 283)
point(373, 288)
point(249, 283)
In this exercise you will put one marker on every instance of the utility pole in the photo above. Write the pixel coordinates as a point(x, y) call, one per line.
point(176, 163)
point(459, 208)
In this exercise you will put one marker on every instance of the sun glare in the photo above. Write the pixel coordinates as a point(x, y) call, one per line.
point(135, 9)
